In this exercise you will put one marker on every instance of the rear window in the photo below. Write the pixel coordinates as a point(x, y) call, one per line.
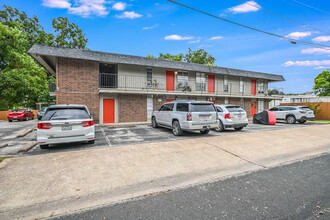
point(305, 108)
point(201, 107)
point(234, 109)
point(18, 110)
point(65, 114)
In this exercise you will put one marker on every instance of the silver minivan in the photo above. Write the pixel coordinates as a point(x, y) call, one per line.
point(186, 116)
point(231, 116)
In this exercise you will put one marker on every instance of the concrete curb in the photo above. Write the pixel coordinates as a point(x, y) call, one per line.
point(27, 147)
point(24, 133)
point(3, 145)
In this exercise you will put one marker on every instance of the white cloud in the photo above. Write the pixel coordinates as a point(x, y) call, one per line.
point(119, 6)
point(298, 35)
point(151, 27)
point(307, 63)
point(315, 51)
point(204, 46)
point(56, 3)
point(177, 37)
point(84, 8)
point(321, 67)
point(321, 39)
point(244, 8)
point(130, 15)
point(216, 38)
point(194, 41)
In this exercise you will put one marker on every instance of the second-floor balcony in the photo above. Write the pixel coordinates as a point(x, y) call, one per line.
point(173, 85)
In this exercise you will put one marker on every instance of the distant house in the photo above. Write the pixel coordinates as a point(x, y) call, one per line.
point(123, 88)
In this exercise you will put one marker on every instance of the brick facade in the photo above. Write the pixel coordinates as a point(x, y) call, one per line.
point(266, 105)
point(220, 100)
point(78, 84)
point(234, 101)
point(247, 107)
point(132, 108)
point(158, 101)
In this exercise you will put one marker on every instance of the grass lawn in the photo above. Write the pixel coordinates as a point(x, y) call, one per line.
point(2, 158)
point(323, 121)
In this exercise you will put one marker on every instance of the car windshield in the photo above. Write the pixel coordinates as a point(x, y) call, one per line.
point(65, 114)
point(43, 109)
point(234, 109)
point(202, 107)
point(18, 110)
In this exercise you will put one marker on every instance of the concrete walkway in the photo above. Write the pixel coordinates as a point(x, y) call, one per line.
point(44, 185)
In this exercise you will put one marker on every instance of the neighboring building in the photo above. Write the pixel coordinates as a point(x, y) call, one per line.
point(122, 88)
point(305, 98)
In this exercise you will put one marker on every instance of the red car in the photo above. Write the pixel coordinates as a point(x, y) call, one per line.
point(20, 115)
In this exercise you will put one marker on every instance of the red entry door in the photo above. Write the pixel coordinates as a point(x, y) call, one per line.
point(108, 111)
point(211, 83)
point(253, 87)
point(169, 80)
point(253, 108)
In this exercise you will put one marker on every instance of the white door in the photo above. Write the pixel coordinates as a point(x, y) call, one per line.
point(150, 107)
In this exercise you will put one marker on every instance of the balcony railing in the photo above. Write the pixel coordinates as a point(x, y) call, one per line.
point(161, 84)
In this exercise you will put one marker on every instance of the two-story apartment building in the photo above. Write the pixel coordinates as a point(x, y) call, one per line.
point(123, 88)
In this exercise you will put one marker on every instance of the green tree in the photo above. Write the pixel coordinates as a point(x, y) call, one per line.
point(199, 56)
point(274, 92)
point(21, 78)
point(322, 84)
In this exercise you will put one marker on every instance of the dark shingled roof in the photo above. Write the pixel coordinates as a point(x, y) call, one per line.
point(150, 62)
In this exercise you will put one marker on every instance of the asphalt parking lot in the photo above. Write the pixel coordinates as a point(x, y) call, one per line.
point(111, 137)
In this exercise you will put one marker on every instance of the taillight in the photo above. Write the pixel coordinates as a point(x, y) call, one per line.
point(227, 116)
point(302, 112)
point(44, 125)
point(189, 116)
point(217, 115)
point(87, 123)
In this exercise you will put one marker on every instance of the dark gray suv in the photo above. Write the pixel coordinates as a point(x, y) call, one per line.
point(186, 116)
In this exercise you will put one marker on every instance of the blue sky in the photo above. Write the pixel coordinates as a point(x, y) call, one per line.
point(142, 27)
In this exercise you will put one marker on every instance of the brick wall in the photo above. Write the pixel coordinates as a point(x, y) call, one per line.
point(78, 84)
point(266, 105)
point(234, 101)
point(158, 101)
point(220, 100)
point(247, 107)
point(132, 108)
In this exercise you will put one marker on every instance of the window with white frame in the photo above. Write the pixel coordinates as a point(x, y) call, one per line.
point(226, 100)
point(149, 76)
point(200, 81)
point(182, 79)
point(241, 85)
point(260, 105)
point(225, 84)
point(260, 86)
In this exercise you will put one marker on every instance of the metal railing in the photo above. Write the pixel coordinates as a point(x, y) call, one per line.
point(129, 82)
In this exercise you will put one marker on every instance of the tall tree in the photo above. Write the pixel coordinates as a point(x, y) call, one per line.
point(199, 56)
point(322, 84)
point(21, 78)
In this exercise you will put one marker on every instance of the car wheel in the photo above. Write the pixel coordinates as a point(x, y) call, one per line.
point(10, 120)
point(238, 129)
point(32, 117)
point(290, 119)
point(154, 122)
point(204, 131)
point(176, 129)
point(44, 146)
point(91, 142)
point(220, 127)
point(26, 118)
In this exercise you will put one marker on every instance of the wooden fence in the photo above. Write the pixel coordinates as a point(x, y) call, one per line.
point(324, 114)
point(3, 114)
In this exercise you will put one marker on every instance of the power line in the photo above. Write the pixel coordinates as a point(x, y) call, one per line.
point(289, 19)
point(311, 7)
point(294, 41)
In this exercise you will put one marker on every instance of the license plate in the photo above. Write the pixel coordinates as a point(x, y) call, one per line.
point(15, 117)
point(66, 127)
point(240, 116)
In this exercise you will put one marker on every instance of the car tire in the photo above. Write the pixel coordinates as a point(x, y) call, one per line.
point(204, 131)
point(10, 120)
point(154, 122)
point(176, 129)
point(44, 146)
point(91, 142)
point(220, 127)
point(26, 118)
point(238, 129)
point(32, 117)
point(291, 119)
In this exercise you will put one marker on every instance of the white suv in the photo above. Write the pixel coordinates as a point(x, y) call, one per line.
point(290, 113)
point(186, 116)
point(231, 116)
point(65, 124)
